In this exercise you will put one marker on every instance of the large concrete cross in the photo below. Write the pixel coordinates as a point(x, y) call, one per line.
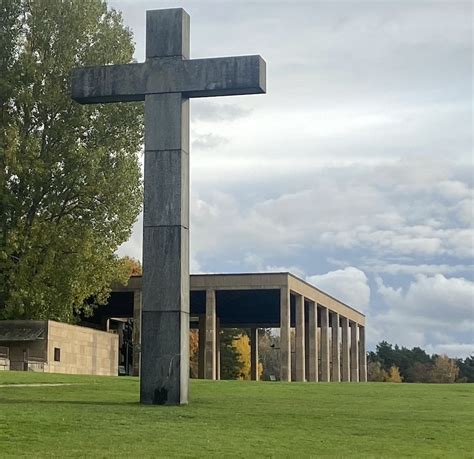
point(166, 81)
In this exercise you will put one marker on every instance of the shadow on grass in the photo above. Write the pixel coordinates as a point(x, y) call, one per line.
point(69, 402)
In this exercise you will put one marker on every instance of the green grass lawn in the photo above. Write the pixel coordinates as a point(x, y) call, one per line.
point(101, 417)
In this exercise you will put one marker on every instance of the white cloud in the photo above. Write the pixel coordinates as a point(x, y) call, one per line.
point(451, 349)
point(207, 141)
point(379, 266)
point(349, 285)
point(340, 208)
point(213, 111)
point(428, 313)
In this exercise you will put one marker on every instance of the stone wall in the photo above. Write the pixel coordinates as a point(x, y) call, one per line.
point(4, 364)
point(81, 350)
point(32, 351)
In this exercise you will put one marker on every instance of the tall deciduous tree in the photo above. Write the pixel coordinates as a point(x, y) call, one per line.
point(394, 375)
point(466, 369)
point(193, 353)
point(242, 346)
point(70, 185)
point(231, 365)
point(445, 370)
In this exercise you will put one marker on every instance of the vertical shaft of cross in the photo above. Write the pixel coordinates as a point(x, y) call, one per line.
point(165, 320)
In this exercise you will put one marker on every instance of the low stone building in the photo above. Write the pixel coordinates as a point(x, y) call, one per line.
point(53, 347)
point(4, 358)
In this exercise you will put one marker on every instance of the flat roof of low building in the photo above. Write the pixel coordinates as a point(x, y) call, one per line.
point(22, 330)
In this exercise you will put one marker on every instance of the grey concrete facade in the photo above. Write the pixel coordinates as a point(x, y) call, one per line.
point(300, 339)
point(335, 348)
point(354, 353)
point(166, 81)
point(211, 335)
point(362, 356)
point(345, 351)
point(325, 357)
point(313, 348)
point(218, 348)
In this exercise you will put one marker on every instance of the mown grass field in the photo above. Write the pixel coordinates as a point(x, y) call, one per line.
point(101, 417)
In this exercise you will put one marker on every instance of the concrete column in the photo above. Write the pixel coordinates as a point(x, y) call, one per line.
point(324, 344)
point(285, 336)
point(345, 350)
point(202, 346)
point(306, 341)
point(137, 315)
point(312, 351)
point(362, 355)
point(354, 353)
point(165, 316)
point(335, 348)
point(218, 348)
point(299, 340)
point(254, 376)
point(210, 361)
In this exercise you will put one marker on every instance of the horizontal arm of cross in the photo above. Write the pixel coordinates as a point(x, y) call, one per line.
point(222, 76)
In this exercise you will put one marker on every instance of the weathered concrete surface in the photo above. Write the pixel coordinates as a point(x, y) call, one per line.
point(345, 357)
point(167, 202)
point(165, 350)
point(325, 345)
point(4, 364)
point(362, 356)
point(299, 340)
point(254, 375)
point(312, 351)
point(210, 361)
point(312, 293)
point(354, 353)
point(218, 348)
point(172, 27)
point(222, 76)
point(285, 337)
point(335, 349)
point(165, 367)
point(167, 116)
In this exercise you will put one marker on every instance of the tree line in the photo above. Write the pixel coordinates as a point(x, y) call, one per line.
point(399, 364)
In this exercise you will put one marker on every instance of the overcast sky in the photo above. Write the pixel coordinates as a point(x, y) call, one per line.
point(354, 171)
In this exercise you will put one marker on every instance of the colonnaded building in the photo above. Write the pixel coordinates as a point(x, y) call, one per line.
point(329, 341)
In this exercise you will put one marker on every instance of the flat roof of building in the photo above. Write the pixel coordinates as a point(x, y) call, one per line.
point(252, 296)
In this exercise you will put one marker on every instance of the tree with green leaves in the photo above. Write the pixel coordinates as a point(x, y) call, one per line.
point(231, 364)
point(70, 180)
point(375, 372)
point(466, 369)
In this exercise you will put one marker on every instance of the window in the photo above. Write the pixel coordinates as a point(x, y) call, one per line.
point(57, 354)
